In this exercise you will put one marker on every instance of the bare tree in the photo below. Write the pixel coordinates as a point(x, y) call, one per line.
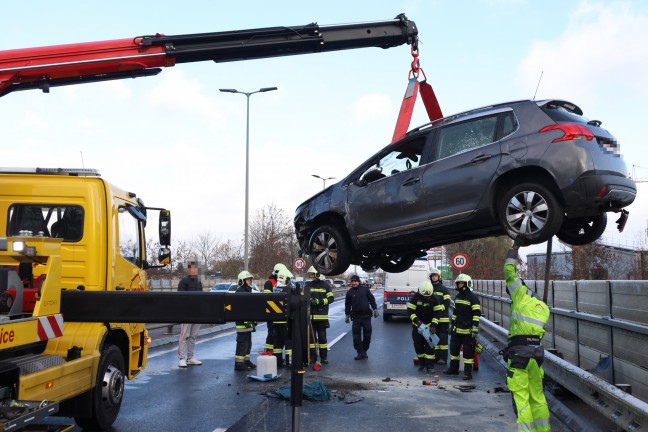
point(485, 256)
point(205, 247)
point(591, 261)
point(182, 252)
point(228, 259)
point(271, 239)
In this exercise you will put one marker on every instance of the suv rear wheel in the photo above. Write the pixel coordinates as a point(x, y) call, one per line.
point(582, 231)
point(530, 209)
point(329, 250)
point(397, 264)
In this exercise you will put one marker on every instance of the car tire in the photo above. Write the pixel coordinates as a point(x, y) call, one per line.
point(531, 209)
point(329, 250)
point(397, 264)
point(582, 231)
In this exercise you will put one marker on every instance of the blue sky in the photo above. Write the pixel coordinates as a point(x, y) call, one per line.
point(178, 142)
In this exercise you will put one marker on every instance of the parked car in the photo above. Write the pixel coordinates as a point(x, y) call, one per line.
point(221, 287)
point(539, 168)
point(339, 283)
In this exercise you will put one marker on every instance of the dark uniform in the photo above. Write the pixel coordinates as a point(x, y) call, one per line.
point(244, 331)
point(525, 352)
point(321, 296)
point(268, 287)
point(424, 310)
point(358, 307)
point(463, 331)
point(443, 294)
point(282, 343)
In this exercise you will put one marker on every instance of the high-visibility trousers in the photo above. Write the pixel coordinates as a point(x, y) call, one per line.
point(524, 380)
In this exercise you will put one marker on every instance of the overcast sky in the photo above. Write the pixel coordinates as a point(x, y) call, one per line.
point(179, 143)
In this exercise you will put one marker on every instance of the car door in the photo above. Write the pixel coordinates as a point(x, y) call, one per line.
point(385, 198)
point(465, 158)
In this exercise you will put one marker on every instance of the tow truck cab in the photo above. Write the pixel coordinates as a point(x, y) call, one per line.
point(96, 232)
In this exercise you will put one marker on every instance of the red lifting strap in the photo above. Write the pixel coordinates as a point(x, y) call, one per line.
point(407, 107)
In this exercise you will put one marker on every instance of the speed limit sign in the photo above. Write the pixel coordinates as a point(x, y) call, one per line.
point(459, 261)
point(299, 264)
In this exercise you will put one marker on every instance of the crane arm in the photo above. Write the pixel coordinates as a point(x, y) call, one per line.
point(58, 65)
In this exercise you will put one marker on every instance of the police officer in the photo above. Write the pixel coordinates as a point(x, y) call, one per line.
point(358, 306)
point(525, 352)
point(244, 329)
point(424, 310)
point(464, 327)
point(321, 296)
point(443, 295)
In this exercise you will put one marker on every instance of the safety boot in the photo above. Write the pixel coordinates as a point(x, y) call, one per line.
point(360, 356)
point(429, 365)
point(467, 372)
point(249, 364)
point(240, 366)
point(422, 363)
point(453, 369)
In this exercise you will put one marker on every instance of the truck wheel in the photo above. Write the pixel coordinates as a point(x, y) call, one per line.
point(108, 392)
point(582, 231)
point(330, 250)
point(531, 209)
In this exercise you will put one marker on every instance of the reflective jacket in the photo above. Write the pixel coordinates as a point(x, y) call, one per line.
point(245, 326)
point(467, 312)
point(426, 309)
point(321, 291)
point(529, 315)
point(443, 294)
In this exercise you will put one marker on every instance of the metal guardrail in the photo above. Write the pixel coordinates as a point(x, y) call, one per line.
point(625, 410)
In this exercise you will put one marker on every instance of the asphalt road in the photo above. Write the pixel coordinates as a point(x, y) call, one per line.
point(384, 392)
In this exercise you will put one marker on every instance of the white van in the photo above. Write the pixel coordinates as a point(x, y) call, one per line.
point(400, 287)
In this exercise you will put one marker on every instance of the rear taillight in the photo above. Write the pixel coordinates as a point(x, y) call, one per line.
point(571, 131)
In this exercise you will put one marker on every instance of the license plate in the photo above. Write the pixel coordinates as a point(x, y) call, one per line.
point(398, 306)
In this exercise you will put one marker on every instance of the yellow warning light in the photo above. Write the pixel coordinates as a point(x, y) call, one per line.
point(147, 340)
point(49, 384)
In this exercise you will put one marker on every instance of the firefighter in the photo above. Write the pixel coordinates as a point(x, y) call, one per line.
point(281, 337)
point(443, 295)
point(424, 310)
point(268, 287)
point(464, 327)
point(320, 297)
point(525, 353)
point(244, 329)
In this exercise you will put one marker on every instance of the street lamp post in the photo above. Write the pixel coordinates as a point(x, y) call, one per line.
point(246, 256)
point(323, 179)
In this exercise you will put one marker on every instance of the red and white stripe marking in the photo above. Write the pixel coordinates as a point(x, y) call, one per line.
point(50, 327)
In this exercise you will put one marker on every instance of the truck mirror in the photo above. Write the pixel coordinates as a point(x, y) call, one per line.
point(164, 256)
point(165, 228)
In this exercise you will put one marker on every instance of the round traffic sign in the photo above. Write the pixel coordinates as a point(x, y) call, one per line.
point(459, 261)
point(299, 264)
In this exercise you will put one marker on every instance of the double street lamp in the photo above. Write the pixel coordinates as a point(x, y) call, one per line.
point(323, 179)
point(247, 165)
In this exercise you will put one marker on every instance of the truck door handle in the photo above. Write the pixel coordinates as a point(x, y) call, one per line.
point(481, 157)
point(412, 181)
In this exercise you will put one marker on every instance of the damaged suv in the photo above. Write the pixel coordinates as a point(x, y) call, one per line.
point(533, 167)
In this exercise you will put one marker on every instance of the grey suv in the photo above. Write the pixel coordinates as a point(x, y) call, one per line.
point(534, 167)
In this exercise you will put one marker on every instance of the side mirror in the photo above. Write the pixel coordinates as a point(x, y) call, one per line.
point(164, 256)
point(372, 175)
point(165, 228)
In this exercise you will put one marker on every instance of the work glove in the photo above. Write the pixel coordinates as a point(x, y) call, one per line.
point(315, 301)
point(519, 241)
point(347, 319)
point(375, 313)
point(417, 322)
point(473, 333)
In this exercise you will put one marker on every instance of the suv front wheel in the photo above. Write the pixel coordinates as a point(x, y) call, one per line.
point(397, 264)
point(329, 250)
point(532, 210)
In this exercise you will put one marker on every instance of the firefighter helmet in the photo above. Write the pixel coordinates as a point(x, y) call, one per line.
point(435, 271)
point(244, 275)
point(426, 289)
point(278, 267)
point(463, 277)
point(313, 270)
point(284, 276)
